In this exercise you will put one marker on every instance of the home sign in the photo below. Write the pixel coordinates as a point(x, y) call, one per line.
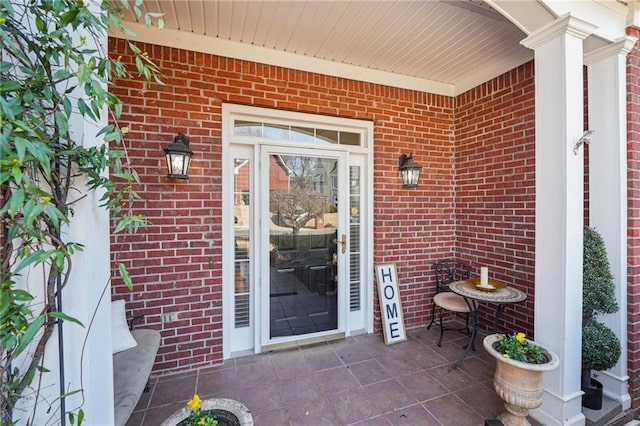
point(390, 307)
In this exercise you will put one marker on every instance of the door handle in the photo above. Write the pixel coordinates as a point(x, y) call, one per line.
point(343, 242)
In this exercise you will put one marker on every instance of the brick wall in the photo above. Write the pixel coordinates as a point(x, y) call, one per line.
point(633, 241)
point(176, 262)
point(495, 184)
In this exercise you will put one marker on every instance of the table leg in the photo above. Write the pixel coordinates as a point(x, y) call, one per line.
point(499, 311)
point(474, 333)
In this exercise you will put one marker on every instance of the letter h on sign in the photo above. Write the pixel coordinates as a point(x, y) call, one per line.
point(390, 307)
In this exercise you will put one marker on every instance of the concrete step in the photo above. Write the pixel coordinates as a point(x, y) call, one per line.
point(610, 411)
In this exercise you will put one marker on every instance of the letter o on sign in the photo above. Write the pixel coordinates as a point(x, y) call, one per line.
point(389, 293)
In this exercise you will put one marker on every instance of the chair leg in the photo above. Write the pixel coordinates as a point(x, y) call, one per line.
point(433, 316)
point(441, 329)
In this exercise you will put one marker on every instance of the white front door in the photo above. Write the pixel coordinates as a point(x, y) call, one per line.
point(296, 238)
point(304, 244)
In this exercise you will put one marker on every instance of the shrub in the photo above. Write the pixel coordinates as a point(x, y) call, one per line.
point(600, 345)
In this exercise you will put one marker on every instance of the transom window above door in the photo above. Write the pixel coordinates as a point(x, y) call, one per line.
point(275, 131)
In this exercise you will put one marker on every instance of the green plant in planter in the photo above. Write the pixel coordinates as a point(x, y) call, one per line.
point(600, 345)
point(198, 416)
point(518, 348)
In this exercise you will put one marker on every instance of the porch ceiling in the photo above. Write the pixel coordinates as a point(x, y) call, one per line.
point(441, 46)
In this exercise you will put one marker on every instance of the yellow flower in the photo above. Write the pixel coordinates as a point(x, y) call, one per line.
point(202, 422)
point(16, 162)
point(520, 337)
point(506, 356)
point(194, 402)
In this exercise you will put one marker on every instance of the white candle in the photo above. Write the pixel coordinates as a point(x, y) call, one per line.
point(484, 276)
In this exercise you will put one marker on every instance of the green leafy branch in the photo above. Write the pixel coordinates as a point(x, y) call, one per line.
point(50, 73)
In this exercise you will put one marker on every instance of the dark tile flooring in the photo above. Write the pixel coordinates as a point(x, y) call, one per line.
point(358, 380)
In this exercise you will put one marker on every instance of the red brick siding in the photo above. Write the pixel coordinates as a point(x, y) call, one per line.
point(495, 184)
point(633, 223)
point(176, 263)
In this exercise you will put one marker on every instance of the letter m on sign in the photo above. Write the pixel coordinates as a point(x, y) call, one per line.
point(390, 307)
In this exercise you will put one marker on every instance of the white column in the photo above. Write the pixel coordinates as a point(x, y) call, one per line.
point(88, 355)
point(559, 212)
point(608, 187)
point(89, 366)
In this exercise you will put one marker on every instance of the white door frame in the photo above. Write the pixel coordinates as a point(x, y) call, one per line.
point(359, 157)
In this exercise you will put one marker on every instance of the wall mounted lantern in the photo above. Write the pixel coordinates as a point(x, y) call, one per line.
point(409, 171)
point(179, 157)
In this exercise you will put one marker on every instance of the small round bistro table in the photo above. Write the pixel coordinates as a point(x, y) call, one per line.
point(501, 296)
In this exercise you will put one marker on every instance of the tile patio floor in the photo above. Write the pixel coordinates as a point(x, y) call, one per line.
point(358, 380)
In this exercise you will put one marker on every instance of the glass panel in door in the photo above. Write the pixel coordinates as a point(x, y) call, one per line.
point(242, 259)
point(303, 224)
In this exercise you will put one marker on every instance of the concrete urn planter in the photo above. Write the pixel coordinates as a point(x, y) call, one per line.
point(229, 412)
point(518, 383)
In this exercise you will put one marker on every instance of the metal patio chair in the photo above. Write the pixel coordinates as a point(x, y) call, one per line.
point(448, 271)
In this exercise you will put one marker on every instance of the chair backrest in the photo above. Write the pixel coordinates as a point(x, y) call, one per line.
point(448, 271)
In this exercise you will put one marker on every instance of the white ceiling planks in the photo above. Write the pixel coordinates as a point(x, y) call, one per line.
point(437, 41)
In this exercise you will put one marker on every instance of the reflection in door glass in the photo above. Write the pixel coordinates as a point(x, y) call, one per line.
point(303, 219)
point(242, 287)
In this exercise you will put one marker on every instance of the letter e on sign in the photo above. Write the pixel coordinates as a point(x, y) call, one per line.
point(390, 307)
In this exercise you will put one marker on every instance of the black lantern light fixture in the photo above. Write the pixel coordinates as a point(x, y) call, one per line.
point(409, 171)
point(179, 157)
